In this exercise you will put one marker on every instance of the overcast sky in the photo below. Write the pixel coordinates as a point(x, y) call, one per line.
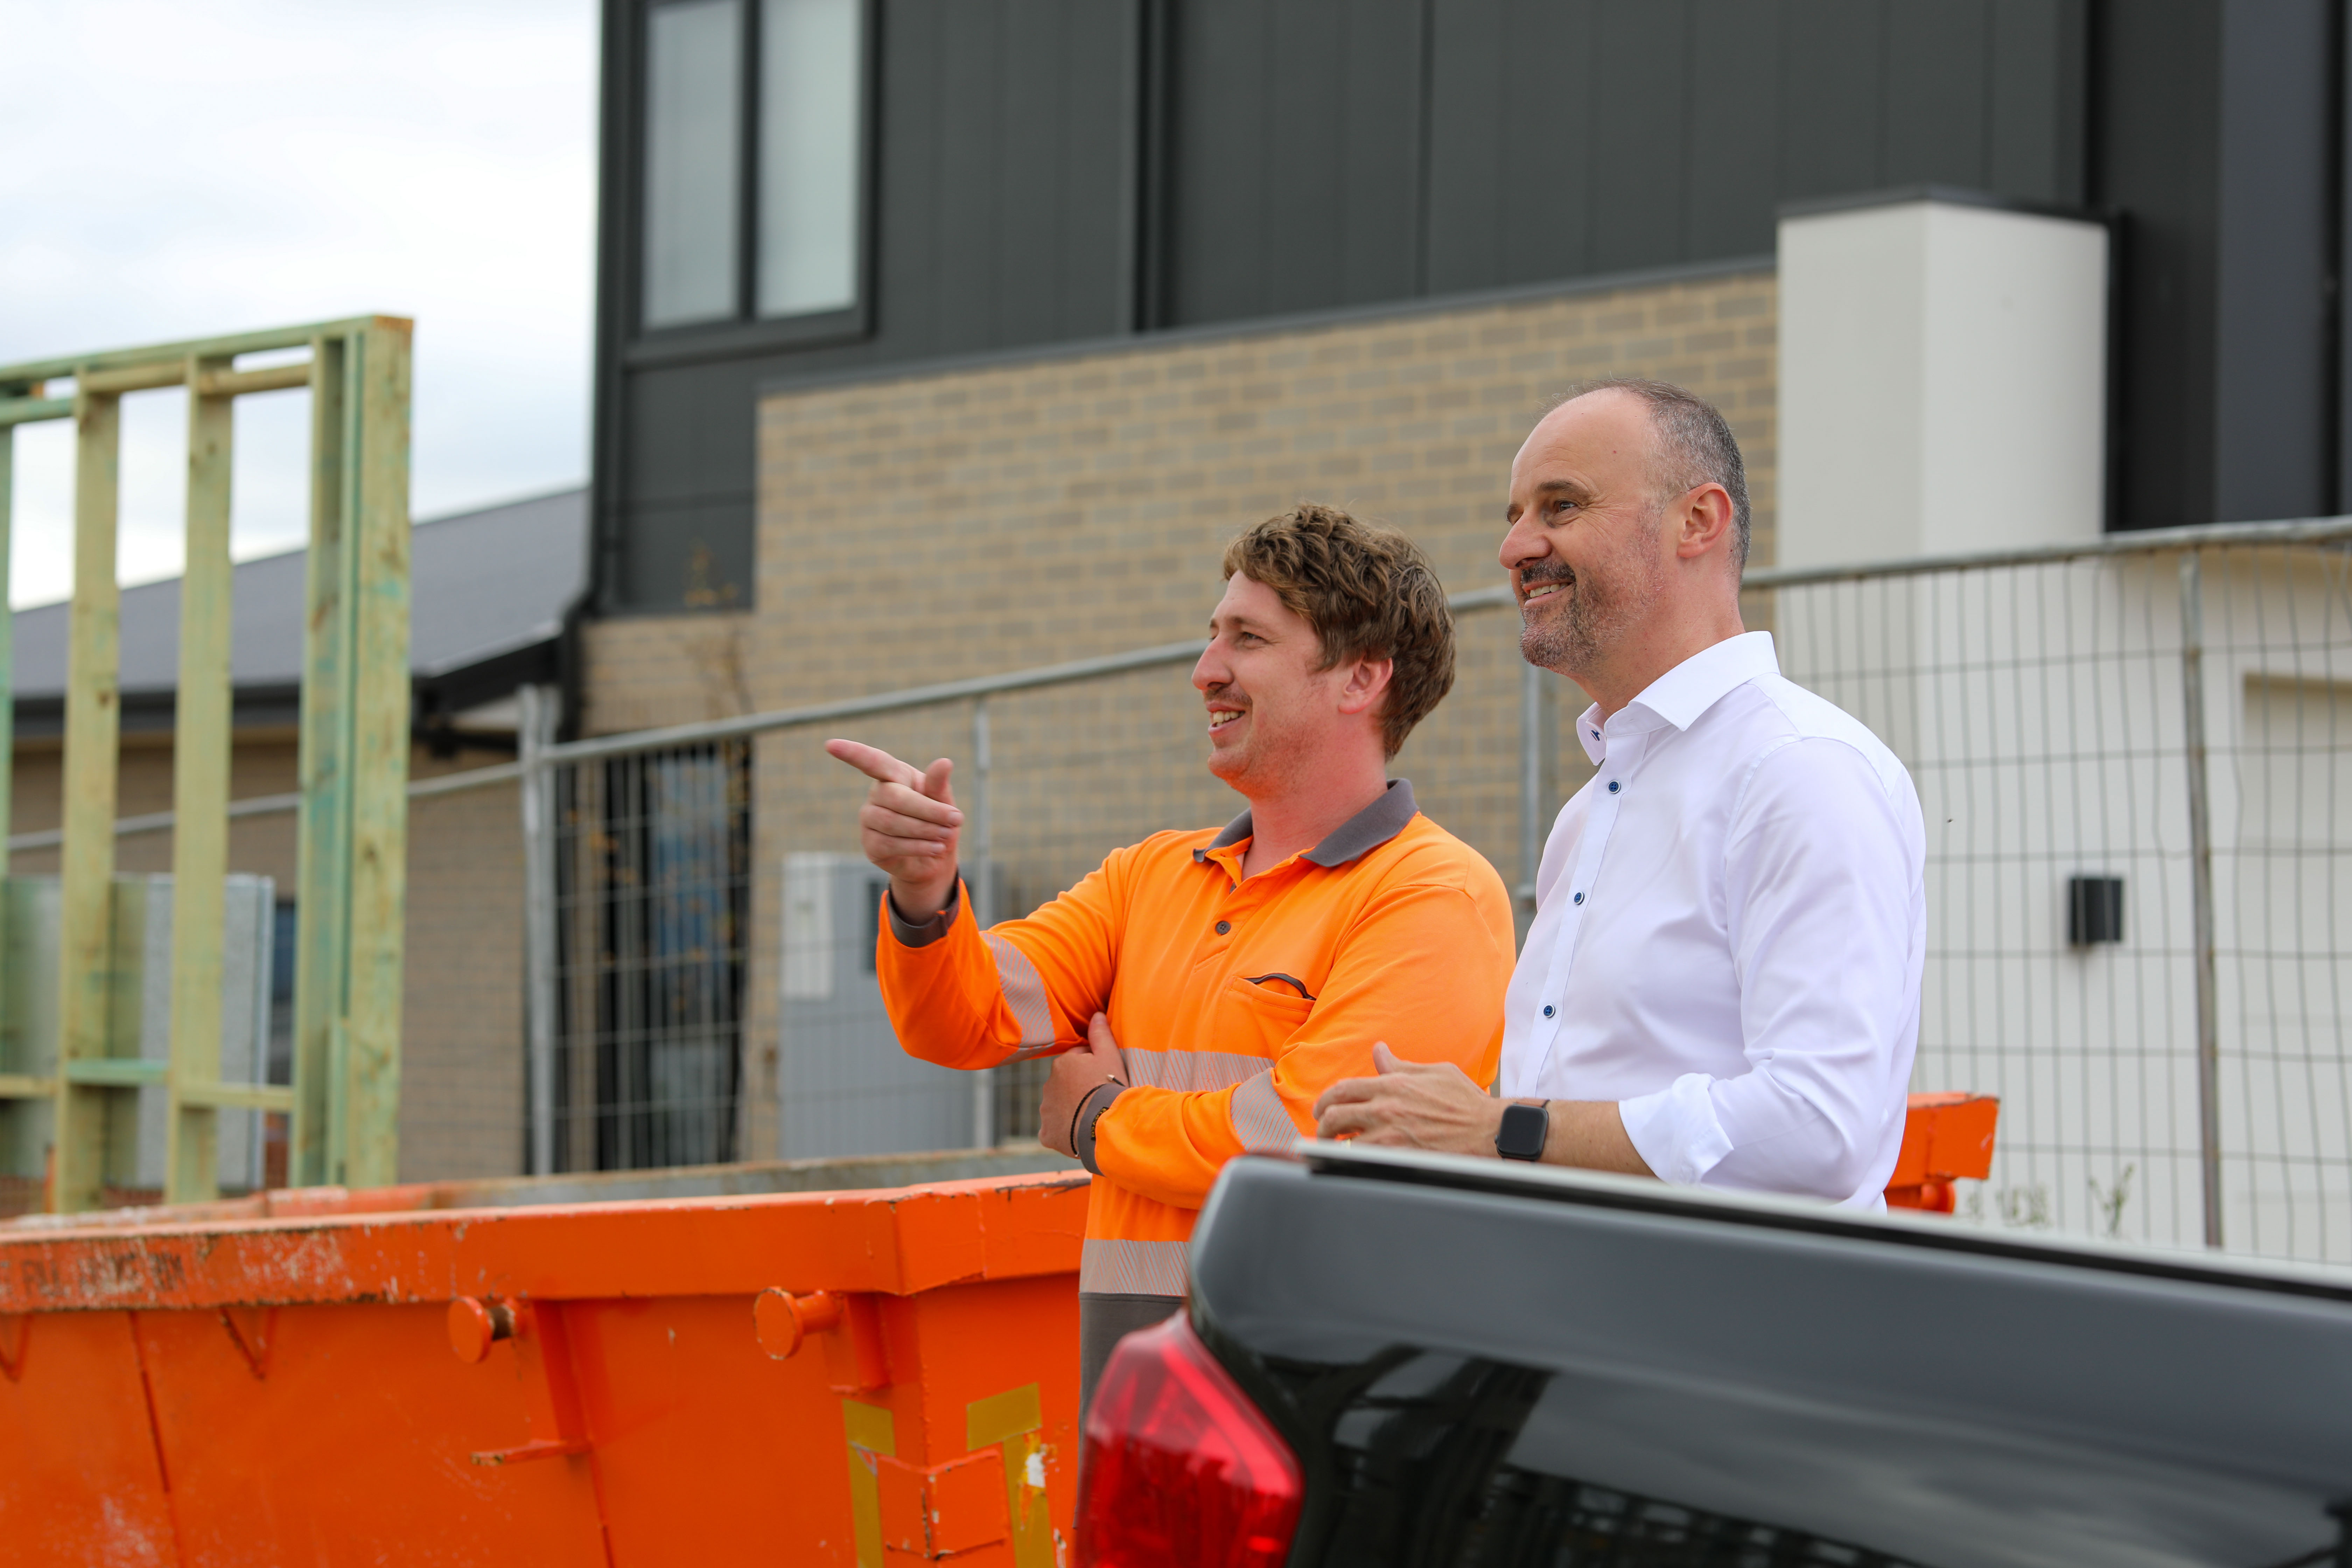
point(178, 170)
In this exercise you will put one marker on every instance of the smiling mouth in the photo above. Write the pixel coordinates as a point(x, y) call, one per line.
point(1224, 717)
point(1545, 588)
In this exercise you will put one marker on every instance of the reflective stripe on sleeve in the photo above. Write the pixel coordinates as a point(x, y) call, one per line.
point(1118, 1267)
point(1260, 1120)
point(1190, 1070)
point(1024, 991)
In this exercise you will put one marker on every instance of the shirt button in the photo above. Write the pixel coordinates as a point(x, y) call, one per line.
point(1548, 1009)
point(1579, 899)
point(1613, 787)
point(1223, 927)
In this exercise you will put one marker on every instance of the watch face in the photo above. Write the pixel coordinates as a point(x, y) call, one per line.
point(1523, 1131)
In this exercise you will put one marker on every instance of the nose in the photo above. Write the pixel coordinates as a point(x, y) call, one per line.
point(1523, 543)
point(1210, 668)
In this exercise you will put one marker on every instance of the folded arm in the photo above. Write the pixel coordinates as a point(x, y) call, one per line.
point(1423, 969)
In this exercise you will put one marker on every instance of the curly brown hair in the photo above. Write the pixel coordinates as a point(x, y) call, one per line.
point(1368, 593)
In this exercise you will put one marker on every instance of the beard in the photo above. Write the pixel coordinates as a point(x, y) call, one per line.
point(1589, 618)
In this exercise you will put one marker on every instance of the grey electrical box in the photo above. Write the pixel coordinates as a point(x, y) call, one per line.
point(142, 1021)
point(844, 1085)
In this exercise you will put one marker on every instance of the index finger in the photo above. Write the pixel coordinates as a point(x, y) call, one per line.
point(876, 763)
point(1347, 1092)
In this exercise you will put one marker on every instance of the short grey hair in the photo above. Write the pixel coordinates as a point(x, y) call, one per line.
point(1695, 446)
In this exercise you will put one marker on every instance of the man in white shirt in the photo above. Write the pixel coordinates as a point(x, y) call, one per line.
point(1721, 984)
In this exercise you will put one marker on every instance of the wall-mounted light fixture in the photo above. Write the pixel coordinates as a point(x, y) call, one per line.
point(2095, 910)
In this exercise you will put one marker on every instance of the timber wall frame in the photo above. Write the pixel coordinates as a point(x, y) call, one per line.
point(351, 885)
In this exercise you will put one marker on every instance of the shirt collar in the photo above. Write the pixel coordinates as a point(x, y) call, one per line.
point(1685, 691)
point(1359, 835)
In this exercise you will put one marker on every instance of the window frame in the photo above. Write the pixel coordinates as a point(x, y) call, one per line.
point(746, 332)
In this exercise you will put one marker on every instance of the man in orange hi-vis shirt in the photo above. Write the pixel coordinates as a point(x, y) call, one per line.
point(1205, 986)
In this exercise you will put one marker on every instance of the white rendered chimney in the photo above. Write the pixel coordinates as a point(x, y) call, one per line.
point(1943, 378)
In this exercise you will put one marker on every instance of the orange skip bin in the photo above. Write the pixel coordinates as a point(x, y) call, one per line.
point(586, 1384)
point(1947, 1138)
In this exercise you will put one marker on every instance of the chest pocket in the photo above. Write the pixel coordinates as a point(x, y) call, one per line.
point(1254, 1020)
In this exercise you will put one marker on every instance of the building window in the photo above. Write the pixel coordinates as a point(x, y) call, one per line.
point(752, 178)
point(692, 113)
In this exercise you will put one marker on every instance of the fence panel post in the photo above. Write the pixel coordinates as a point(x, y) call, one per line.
point(1538, 743)
point(2200, 889)
point(983, 903)
point(200, 777)
point(93, 717)
point(537, 785)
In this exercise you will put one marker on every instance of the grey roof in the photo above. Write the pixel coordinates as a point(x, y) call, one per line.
point(481, 583)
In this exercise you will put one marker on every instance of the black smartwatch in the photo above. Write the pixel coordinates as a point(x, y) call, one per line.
point(1525, 1128)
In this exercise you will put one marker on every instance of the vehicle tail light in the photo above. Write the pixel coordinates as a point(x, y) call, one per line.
point(1180, 1470)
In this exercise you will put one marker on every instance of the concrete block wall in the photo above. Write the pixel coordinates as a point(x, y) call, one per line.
point(993, 518)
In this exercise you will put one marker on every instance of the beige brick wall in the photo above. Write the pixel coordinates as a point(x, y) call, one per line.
point(939, 526)
point(648, 672)
point(461, 1071)
point(462, 1049)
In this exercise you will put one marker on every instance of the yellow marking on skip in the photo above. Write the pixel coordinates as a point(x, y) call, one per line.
point(870, 1431)
point(1016, 1418)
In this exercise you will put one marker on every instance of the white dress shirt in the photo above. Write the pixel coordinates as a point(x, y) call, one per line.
point(1730, 922)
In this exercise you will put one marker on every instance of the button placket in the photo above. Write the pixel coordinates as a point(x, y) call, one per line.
point(1591, 846)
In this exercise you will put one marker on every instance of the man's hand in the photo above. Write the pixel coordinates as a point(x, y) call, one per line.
point(1412, 1105)
point(909, 826)
point(1076, 1073)
point(1436, 1106)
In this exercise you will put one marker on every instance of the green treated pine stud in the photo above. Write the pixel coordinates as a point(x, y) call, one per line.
point(200, 784)
point(322, 874)
point(93, 716)
point(8, 716)
point(376, 575)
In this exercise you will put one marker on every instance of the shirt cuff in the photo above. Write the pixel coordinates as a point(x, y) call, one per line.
point(922, 933)
point(1675, 1131)
point(1090, 1109)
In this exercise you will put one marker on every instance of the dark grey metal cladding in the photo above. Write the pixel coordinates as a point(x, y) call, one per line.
point(1568, 138)
point(1013, 224)
point(687, 463)
point(1836, 1379)
point(1294, 156)
point(2216, 132)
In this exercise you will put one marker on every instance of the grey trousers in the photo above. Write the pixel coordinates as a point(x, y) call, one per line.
point(1103, 1319)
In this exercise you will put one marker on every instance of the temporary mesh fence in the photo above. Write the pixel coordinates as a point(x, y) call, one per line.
point(2139, 917)
point(2130, 754)
point(652, 872)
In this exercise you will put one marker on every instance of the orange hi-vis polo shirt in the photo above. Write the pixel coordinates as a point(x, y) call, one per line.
point(1235, 1002)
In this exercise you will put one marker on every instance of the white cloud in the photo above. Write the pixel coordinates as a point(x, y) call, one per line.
point(185, 172)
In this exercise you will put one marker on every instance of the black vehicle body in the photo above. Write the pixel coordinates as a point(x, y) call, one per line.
point(1484, 1364)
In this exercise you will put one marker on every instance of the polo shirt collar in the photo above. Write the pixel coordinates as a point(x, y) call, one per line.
point(1682, 693)
point(1359, 835)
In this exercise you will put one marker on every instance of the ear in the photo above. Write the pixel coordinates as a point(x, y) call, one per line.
point(1705, 523)
point(1367, 683)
